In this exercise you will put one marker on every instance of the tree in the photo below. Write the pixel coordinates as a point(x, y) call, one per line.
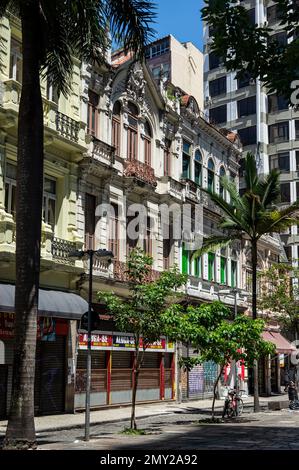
point(279, 297)
point(249, 217)
point(218, 338)
point(248, 48)
point(53, 32)
point(142, 313)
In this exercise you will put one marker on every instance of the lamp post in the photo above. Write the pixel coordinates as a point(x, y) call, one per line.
point(90, 254)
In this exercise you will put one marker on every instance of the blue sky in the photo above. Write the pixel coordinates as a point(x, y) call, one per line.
point(181, 18)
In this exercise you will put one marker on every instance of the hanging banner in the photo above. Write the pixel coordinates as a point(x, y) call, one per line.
point(116, 342)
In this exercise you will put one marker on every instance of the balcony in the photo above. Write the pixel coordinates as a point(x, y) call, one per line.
point(141, 172)
point(100, 268)
point(61, 250)
point(171, 187)
point(120, 273)
point(67, 127)
point(209, 204)
point(192, 190)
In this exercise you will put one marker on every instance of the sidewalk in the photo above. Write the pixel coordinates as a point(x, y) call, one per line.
point(116, 414)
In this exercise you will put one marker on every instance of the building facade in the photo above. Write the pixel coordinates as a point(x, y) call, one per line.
point(267, 126)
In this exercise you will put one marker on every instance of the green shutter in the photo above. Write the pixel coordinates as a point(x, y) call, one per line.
point(211, 266)
point(185, 260)
point(197, 267)
point(223, 270)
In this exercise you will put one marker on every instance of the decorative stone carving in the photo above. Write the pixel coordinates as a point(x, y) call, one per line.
point(136, 83)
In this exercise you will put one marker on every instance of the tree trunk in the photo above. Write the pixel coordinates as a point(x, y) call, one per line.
point(215, 392)
point(254, 316)
point(134, 393)
point(20, 431)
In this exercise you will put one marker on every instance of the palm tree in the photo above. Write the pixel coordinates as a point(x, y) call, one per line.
point(53, 32)
point(249, 217)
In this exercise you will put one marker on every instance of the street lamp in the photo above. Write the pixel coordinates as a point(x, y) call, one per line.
point(90, 254)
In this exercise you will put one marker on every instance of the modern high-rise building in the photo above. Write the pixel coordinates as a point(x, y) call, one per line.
point(267, 126)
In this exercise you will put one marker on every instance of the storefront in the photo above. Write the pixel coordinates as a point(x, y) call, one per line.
point(112, 373)
point(54, 375)
point(271, 368)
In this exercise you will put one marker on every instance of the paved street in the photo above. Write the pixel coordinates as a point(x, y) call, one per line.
point(182, 430)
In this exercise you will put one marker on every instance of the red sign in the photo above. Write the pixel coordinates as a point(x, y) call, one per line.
point(97, 341)
point(7, 324)
point(157, 345)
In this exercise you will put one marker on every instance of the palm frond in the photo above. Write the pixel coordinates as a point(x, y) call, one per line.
point(233, 192)
point(130, 21)
point(214, 242)
point(251, 177)
point(269, 189)
point(278, 220)
point(6, 5)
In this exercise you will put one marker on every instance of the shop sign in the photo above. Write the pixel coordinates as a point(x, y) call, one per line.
point(46, 329)
point(170, 346)
point(156, 345)
point(7, 324)
point(98, 341)
point(120, 341)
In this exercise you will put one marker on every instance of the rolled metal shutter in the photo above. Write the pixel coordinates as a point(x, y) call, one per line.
point(9, 354)
point(121, 374)
point(98, 371)
point(167, 369)
point(149, 377)
point(51, 376)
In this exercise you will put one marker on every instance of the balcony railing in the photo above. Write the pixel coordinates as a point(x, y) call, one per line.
point(140, 171)
point(102, 151)
point(67, 127)
point(192, 190)
point(61, 250)
point(121, 274)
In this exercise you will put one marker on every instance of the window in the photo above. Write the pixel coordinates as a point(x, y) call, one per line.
point(218, 86)
point(114, 231)
point(233, 281)
point(158, 49)
point(223, 270)
point(211, 266)
point(16, 60)
point(281, 161)
point(297, 191)
point(185, 260)
point(186, 159)
point(198, 266)
point(167, 247)
point(132, 232)
point(249, 281)
point(147, 243)
point(214, 61)
point(281, 38)
point(161, 69)
point(279, 132)
point(198, 168)
point(244, 80)
point(221, 188)
point(211, 175)
point(92, 113)
point(132, 131)
point(297, 161)
point(251, 16)
point(288, 252)
point(90, 221)
point(273, 14)
point(297, 129)
point(167, 158)
point(285, 192)
point(52, 94)
point(49, 201)
point(116, 128)
point(147, 144)
point(217, 115)
point(247, 135)
point(10, 189)
point(277, 103)
point(246, 107)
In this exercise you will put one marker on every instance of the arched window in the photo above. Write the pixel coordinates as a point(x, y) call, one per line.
point(92, 113)
point(116, 128)
point(132, 131)
point(221, 188)
point(198, 168)
point(211, 175)
point(147, 144)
